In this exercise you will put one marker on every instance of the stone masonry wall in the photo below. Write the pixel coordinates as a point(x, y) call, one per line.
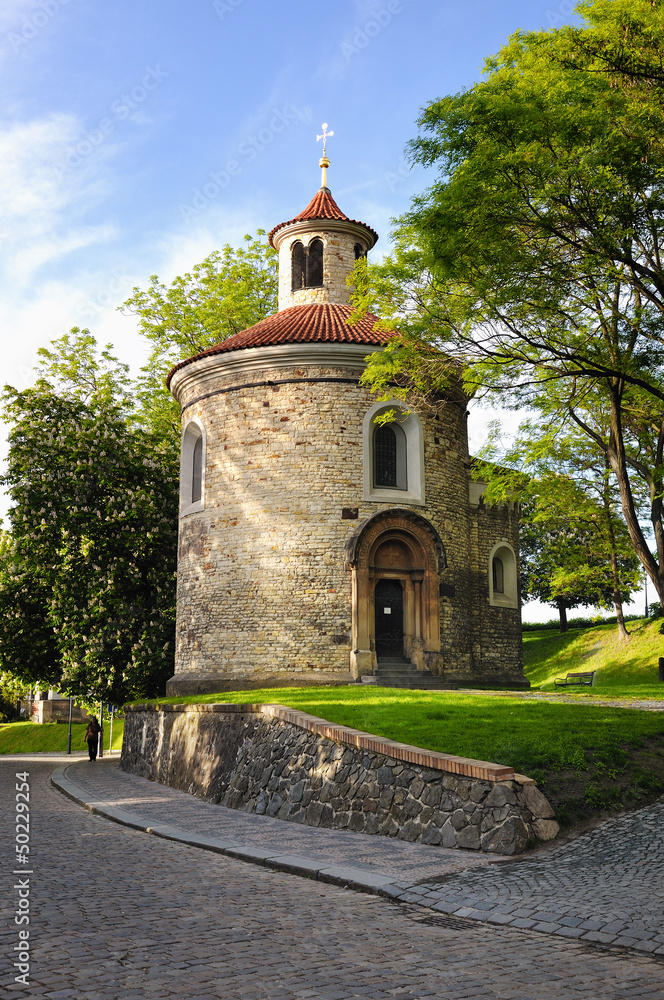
point(497, 640)
point(244, 758)
point(263, 595)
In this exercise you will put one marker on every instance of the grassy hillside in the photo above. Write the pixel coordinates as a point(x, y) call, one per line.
point(624, 669)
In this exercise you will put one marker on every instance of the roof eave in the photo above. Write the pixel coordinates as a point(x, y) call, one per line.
point(295, 228)
point(252, 360)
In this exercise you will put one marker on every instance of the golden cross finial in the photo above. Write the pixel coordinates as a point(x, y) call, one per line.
point(324, 163)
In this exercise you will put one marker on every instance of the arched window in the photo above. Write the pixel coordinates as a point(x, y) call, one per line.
point(503, 582)
point(192, 468)
point(498, 574)
point(315, 264)
point(393, 456)
point(197, 471)
point(298, 266)
point(359, 251)
point(390, 457)
point(307, 265)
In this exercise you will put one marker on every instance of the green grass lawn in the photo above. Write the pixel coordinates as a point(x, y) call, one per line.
point(587, 758)
point(624, 669)
point(30, 737)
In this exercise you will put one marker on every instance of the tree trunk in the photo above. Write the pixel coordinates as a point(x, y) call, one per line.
point(622, 630)
point(617, 600)
point(616, 455)
point(562, 611)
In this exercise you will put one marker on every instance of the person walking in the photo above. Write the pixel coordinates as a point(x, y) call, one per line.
point(92, 737)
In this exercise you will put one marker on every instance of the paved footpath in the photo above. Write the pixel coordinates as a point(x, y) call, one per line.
point(580, 698)
point(116, 913)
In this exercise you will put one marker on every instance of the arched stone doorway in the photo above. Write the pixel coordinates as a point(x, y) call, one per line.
point(395, 559)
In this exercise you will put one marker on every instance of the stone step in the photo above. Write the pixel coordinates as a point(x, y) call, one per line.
point(392, 681)
point(414, 683)
point(409, 671)
point(401, 673)
point(433, 683)
point(397, 672)
point(396, 664)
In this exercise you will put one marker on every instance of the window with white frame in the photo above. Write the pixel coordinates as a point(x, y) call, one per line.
point(503, 583)
point(390, 457)
point(393, 455)
point(498, 574)
point(192, 467)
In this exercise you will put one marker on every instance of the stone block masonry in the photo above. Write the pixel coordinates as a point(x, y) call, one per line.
point(272, 760)
point(264, 598)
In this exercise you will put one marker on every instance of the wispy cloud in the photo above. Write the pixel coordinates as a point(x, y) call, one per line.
point(42, 213)
point(13, 11)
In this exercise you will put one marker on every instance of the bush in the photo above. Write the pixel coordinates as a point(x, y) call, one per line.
point(553, 624)
point(11, 690)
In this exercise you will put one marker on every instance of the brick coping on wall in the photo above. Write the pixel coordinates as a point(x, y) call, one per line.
point(482, 769)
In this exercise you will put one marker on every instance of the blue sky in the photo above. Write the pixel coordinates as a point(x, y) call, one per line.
point(137, 137)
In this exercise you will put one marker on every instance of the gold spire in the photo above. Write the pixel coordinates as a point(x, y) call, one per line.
point(324, 163)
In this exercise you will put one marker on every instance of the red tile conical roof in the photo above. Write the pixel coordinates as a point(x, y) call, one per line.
point(315, 323)
point(322, 206)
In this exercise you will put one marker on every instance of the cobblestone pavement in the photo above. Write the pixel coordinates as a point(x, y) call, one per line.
point(119, 914)
point(606, 886)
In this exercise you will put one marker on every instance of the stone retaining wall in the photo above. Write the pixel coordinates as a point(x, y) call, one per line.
point(271, 760)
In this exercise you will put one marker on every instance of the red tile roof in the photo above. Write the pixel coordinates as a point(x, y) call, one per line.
point(322, 206)
point(315, 323)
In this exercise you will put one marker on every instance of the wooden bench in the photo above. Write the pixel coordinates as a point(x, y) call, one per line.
point(575, 678)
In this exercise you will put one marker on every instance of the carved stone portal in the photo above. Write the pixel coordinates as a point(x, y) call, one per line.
point(402, 547)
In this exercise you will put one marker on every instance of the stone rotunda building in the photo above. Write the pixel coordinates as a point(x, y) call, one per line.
point(316, 546)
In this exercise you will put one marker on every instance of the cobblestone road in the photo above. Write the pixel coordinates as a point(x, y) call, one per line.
point(117, 913)
point(606, 886)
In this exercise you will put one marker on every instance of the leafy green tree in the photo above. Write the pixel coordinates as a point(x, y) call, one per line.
point(561, 564)
point(574, 548)
point(87, 576)
point(535, 258)
point(12, 692)
point(91, 565)
point(74, 367)
point(226, 293)
point(571, 512)
point(28, 646)
point(624, 39)
point(571, 563)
